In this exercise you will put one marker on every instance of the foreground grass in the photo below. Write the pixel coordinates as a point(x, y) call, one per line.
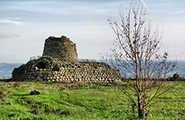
point(81, 101)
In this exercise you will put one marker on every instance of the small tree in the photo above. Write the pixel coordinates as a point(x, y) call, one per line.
point(137, 51)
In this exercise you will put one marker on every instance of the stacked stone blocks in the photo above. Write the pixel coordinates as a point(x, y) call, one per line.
point(60, 63)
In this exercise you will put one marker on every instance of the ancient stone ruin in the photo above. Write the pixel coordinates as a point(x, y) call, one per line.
point(62, 48)
point(59, 63)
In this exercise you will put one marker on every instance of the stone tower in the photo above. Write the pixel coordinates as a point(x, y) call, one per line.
point(62, 48)
point(59, 63)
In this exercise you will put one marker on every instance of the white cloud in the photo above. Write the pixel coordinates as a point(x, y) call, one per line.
point(11, 22)
point(8, 35)
point(177, 12)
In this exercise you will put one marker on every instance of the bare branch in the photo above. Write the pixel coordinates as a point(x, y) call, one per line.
point(137, 51)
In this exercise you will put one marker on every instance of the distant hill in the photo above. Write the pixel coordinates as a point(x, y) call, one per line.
point(7, 68)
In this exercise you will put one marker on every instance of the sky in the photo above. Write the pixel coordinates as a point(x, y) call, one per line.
point(25, 24)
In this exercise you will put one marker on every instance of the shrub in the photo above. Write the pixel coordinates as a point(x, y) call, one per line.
point(175, 77)
point(4, 95)
point(16, 84)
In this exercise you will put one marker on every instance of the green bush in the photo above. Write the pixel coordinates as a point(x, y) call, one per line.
point(4, 95)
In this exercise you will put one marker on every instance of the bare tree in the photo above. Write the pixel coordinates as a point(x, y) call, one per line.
point(136, 50)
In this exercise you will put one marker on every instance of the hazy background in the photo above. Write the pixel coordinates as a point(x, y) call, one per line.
point(25, 24)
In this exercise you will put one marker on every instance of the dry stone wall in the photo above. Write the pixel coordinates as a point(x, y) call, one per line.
point(50, 69)
point(62, 48)
point(60, 63)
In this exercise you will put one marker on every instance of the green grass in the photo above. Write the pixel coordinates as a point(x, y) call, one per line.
point(81, 101)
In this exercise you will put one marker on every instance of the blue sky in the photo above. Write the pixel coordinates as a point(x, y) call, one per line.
point(25, 24)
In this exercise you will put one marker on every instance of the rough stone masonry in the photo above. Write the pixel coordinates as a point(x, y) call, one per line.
point(59, 63)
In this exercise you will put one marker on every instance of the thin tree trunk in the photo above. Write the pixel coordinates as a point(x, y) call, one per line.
point(141, 109)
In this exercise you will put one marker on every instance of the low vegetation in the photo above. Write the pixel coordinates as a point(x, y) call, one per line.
point(82, 101)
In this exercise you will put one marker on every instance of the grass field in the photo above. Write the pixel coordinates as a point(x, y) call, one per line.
point(81, 101)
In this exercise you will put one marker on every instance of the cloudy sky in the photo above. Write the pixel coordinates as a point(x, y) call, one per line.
point(25, 24)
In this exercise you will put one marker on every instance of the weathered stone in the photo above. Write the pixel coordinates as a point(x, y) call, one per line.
point(62, 48)
point(62, 67)
point(34, 92)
